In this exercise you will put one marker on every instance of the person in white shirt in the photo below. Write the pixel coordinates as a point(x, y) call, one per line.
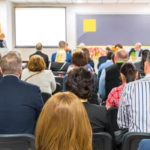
point(35, 73)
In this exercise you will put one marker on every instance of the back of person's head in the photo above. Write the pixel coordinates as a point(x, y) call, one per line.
point(137, 46)
point(2, 35)
point(129, 71)
point(81, 45)
point(79, 58)
point(11, 63)
point(39, 46)
point(36, 63)
point(87, 53)
point(62, 44)
point(144, 56)
point(122, 55)
point(80, 81)
point(63, 124)
point(109, 55)
point(119, 46)
point(108, 48)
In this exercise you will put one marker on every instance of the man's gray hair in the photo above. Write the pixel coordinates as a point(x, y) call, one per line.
point(11, 63)
point(122, 55)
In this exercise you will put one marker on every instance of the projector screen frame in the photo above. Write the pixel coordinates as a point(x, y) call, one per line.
point(39, 41)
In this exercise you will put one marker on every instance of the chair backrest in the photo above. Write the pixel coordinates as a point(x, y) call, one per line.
point(102, 141)
point(112, 118)
point(56, 66)
point(58, 88)
point(131, 140)
point(59, 79)
point(17, 142)
point(45, 96)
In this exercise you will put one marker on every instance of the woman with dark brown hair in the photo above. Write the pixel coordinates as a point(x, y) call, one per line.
point(63, 124)
point(35, 73)
point(80, 81)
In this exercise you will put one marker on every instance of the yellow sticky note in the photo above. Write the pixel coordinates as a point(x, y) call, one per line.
point(89, 25)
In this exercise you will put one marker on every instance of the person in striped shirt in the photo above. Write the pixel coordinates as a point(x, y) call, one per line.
point(134, 105)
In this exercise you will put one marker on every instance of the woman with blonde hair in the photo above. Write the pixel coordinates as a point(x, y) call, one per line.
point(35, 73)
point(63, 124)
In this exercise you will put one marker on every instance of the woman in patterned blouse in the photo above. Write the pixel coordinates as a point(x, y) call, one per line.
point(128, 73)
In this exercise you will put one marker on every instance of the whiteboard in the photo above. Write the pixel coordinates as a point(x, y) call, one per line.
point(46, 25)
point(126, 29)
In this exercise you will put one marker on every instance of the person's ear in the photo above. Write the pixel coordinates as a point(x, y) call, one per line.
point(145, 67)
point(1, 71)
point(122, 77)
point(115, 58)
point(136, 75)
point(20, 72)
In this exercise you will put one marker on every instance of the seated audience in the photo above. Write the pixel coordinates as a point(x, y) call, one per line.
point(144, 144)
point(110, 77)
point(2, 41)
point(35, 73)
point(0, 72)
point(133, 112)
point(20, 102)
point(137, 50)
point(61, 56)
point(128, 73)
point(140, 65)
point(79, 59)
point(103, 59)
point(117, 47)
point(106, 64)
point(63, 124)
point(81, 82)
point(87, 53)
point(39, 48)
point(66, 48)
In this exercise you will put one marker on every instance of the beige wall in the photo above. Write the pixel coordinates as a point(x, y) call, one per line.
point(3, 16)
point(71, 11)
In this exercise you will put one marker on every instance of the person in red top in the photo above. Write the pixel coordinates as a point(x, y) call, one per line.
point(128, 74)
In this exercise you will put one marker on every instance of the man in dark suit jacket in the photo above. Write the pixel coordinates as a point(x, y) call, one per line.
point(20, 102)
point(39, 48)
point(111, 75)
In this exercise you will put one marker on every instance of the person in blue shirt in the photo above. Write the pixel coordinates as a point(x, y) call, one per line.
point(61, 56)
point(137, 50)
point(2, 41)
point(106, 64)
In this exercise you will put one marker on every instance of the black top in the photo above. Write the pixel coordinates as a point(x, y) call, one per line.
point(97, 116)
point(112, 78)
point(45, 57)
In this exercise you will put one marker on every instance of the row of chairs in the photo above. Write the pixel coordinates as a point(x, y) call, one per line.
point(101, 141)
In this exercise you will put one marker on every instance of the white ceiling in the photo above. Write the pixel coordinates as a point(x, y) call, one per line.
point(81, 1)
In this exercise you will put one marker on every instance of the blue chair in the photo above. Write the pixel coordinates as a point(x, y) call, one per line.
point(144, 144)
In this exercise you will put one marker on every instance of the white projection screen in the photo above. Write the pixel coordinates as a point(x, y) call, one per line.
point(45, 24)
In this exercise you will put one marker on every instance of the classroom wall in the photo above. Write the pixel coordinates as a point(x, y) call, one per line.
point(3, 16)
point(71, 11)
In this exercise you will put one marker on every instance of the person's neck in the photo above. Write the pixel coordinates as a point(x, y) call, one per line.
point(148, 72)
point(13, 74)
point(83, 100)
